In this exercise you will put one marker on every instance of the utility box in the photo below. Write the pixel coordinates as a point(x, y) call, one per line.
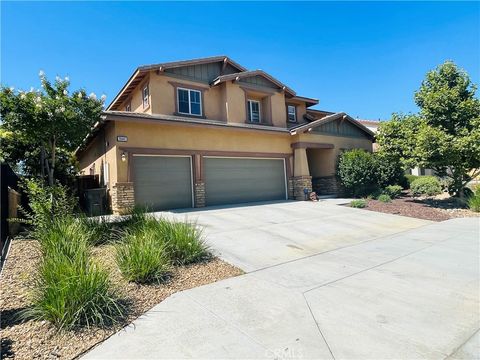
point(96, 201)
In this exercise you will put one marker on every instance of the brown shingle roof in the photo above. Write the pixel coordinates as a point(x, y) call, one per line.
point(247, 74)
point(327, 119)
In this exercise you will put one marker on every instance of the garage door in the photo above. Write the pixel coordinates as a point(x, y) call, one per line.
point(239, 180)
point(163, 182)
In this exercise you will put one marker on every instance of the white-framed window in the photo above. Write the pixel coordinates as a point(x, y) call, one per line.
point(254, 111)
point(128, 107)
point(189, 101)
point(292, 113)
point(145, 96)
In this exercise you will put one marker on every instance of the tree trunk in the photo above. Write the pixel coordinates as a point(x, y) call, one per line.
point(42, 162)
point(51, 170)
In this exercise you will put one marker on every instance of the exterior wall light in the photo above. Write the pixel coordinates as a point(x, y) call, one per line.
point(124, 157)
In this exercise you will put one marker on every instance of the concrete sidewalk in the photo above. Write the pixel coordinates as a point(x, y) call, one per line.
point(413, 294)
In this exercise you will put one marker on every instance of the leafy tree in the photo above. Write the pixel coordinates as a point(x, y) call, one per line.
point(41, 129)
point(445, 134)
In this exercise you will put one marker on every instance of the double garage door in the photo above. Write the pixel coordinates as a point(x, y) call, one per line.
point(166, 182)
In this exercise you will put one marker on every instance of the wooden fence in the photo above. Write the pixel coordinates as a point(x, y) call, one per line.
point(9, 201)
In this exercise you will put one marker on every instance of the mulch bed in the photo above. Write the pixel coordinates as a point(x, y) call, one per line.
point(39, 340)
point(437, 208)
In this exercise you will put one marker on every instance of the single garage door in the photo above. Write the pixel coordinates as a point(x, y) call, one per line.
point(239, 180)
point(163, 182)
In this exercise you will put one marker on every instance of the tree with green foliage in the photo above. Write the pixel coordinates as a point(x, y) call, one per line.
point(40, 129)
point(445, 134)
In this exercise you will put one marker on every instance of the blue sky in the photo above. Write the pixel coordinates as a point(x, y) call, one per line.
point(364, 58)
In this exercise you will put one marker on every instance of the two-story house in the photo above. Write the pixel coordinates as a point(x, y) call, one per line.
point(208, 132)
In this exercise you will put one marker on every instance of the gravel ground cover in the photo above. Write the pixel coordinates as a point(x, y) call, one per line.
point(39, 340)
point(437, 208)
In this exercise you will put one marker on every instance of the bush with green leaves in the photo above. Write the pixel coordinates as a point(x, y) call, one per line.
point(394, 191)
point(71, 290)
point(474, 200)
point(358, 203)
point(46, 204)
point(363, 173)
point(410, 179)
point(357, 173)
point(384, 198)
point(426, 185)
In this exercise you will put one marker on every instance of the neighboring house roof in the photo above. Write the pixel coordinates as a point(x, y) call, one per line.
point(329, 118)
point(248, 74)
point(141, 71)
point(369, 122)
point(308, 101)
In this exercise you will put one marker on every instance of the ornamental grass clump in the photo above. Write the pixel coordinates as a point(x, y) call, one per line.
point(184, 242)
point(358, 203)
point(71, 290)
point(141, 256)
point(474, 200)
point(149, 246)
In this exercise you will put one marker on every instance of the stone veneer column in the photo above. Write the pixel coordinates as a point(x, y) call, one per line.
point(302, 179)
point(199, 194)
point(299, 184)
point(290, 189)
point(123, 198)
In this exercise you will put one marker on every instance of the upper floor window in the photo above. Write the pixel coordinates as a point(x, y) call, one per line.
point(189, 101)
point(254, 111)
point(292, 113)
point(128, 107)
point(145, 97)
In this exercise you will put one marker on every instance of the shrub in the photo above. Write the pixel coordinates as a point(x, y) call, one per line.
point(358, 203)
point(394, 191)
point(474, 200)
point(410, 179)
point(384, 198)
point(141, 256)
point(46, 204)
point(70, 289)
point(356, 170)
point(426, 185)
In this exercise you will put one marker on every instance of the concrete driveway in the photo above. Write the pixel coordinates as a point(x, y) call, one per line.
point(323, 282)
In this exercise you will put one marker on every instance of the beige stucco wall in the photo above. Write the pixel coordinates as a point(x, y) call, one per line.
point(148, 135)
point(136, 99)
point(162, 91)
point(95, 154)
point(226, 101)
point(181, 137)
point(322, 162)
point(235, 103)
